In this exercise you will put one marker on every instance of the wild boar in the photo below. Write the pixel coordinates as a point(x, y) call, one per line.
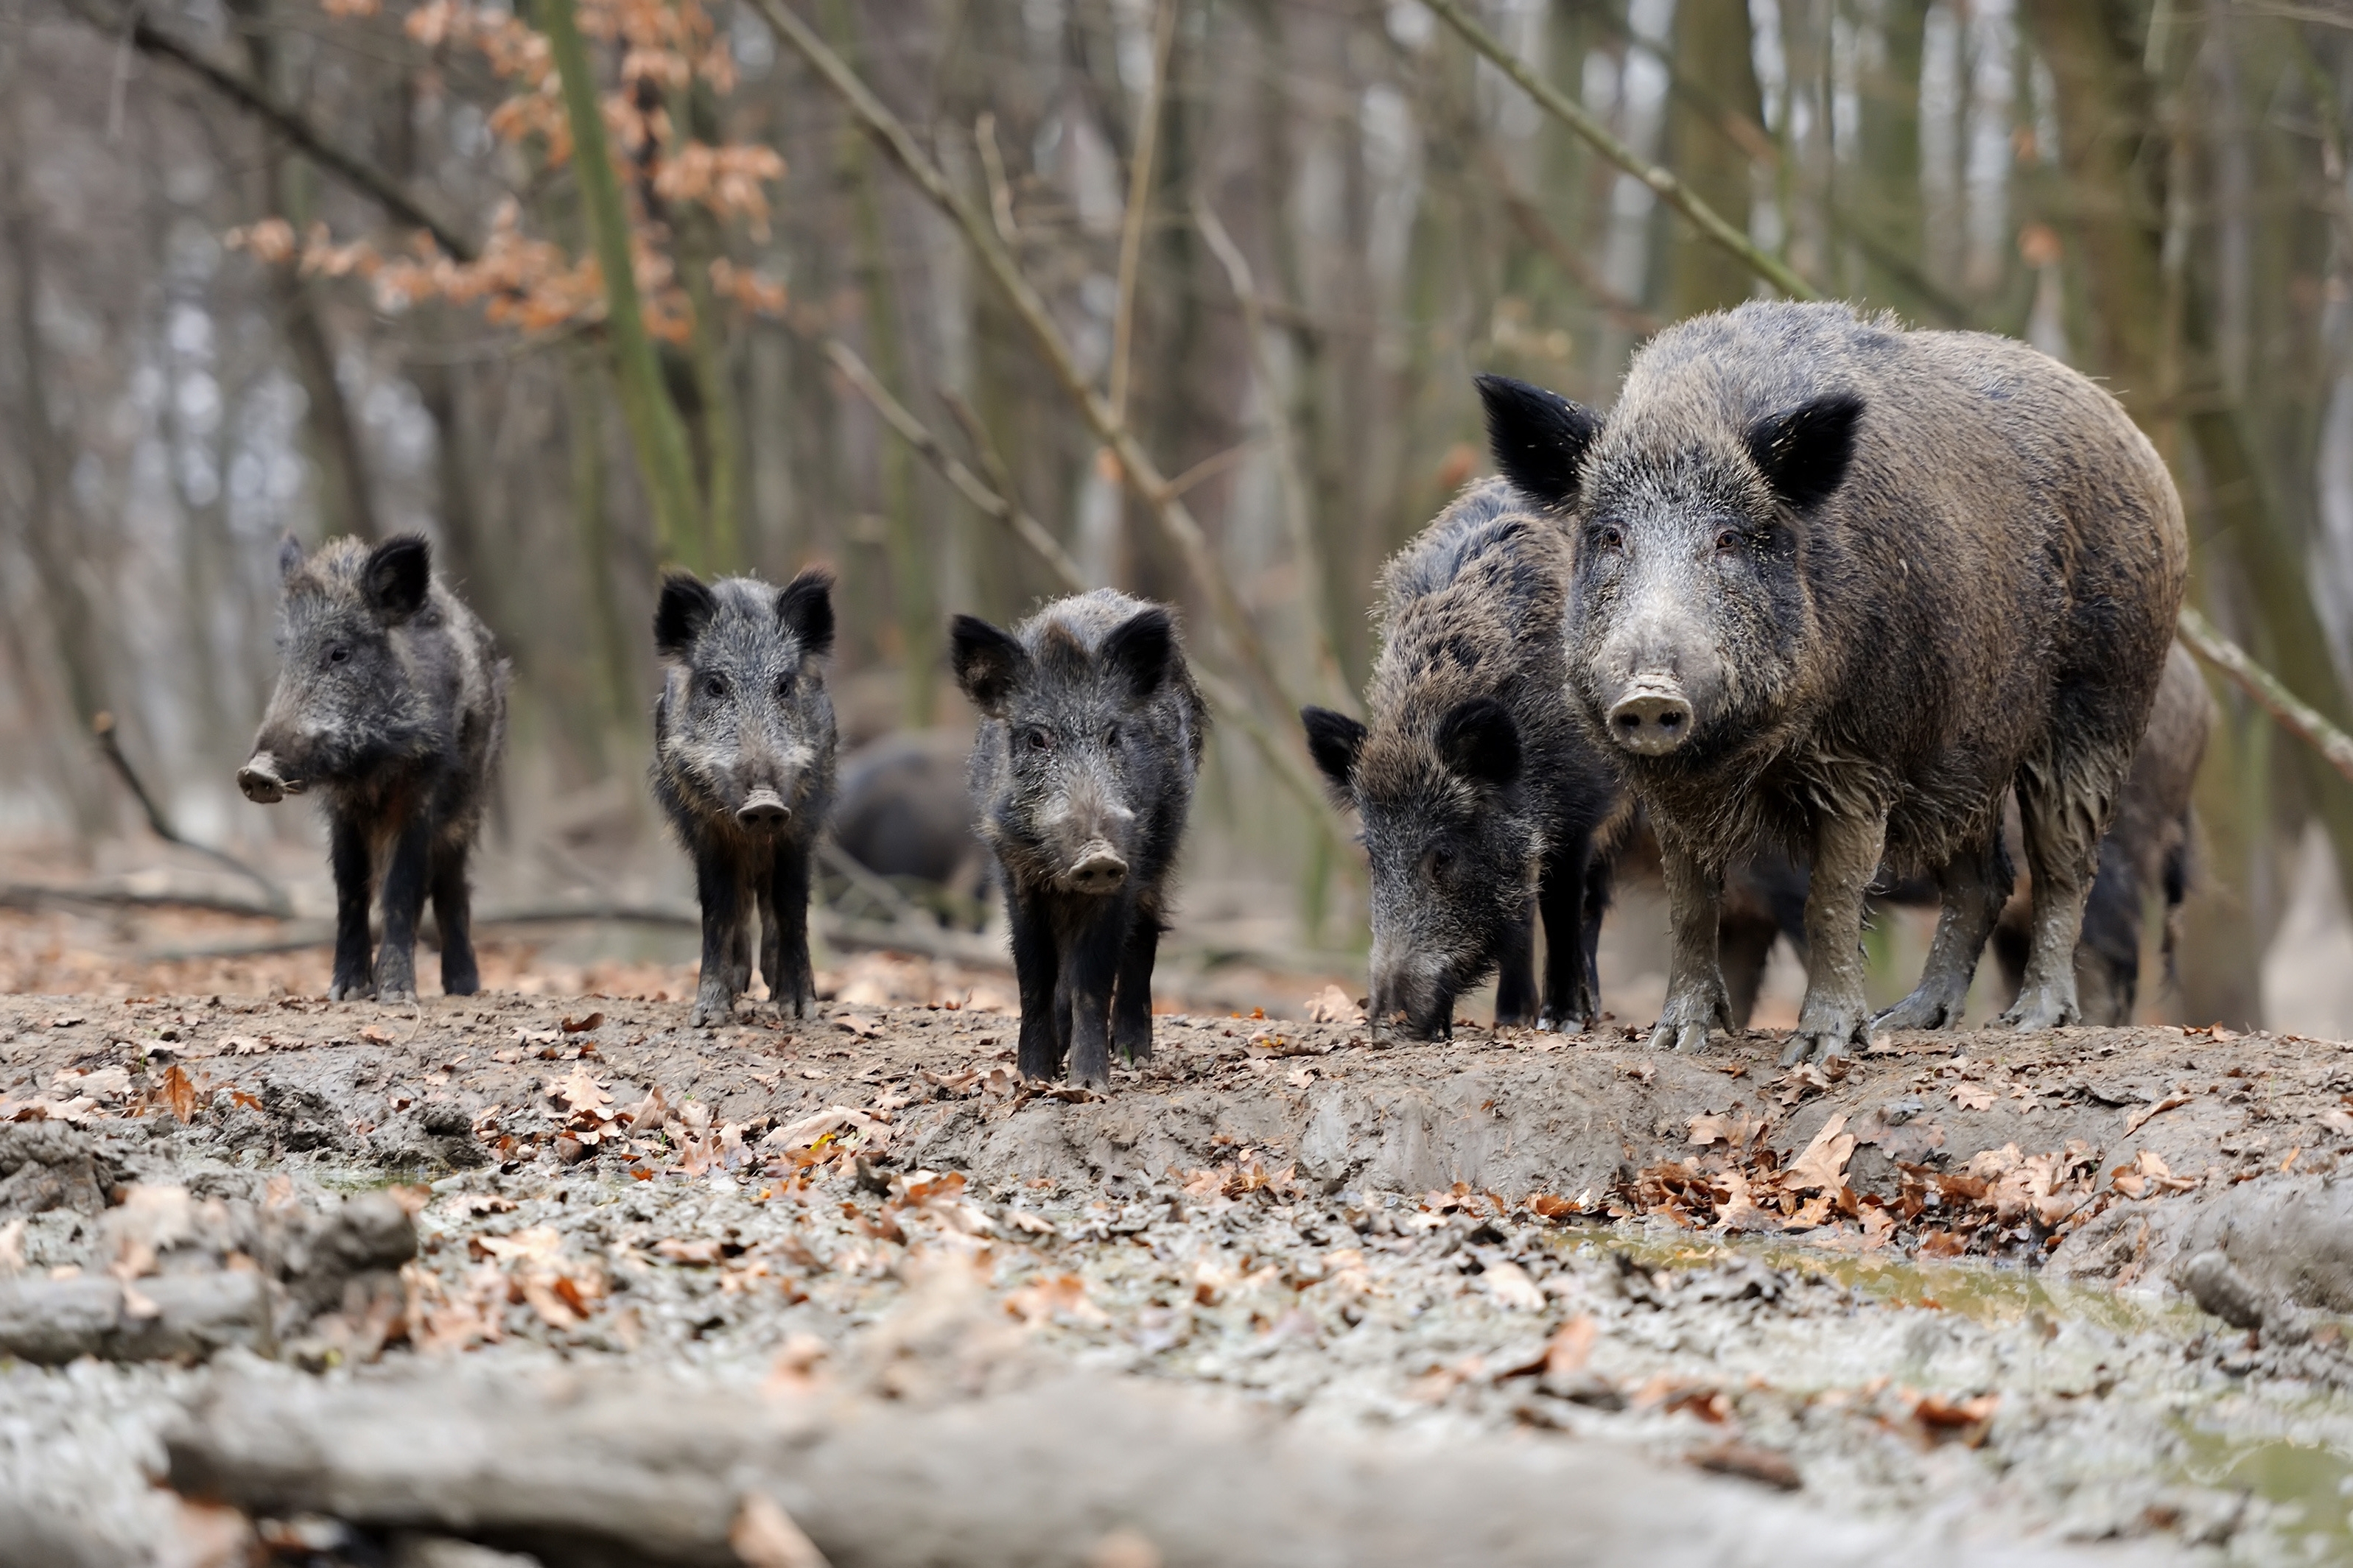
point(391, 702)
point(1481, 798)
point(1082, 774)
point(744, 767)
point(1837, 586)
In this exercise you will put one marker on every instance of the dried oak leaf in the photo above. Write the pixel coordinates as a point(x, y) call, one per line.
point(1822, 1166)
point(581, 1026)
point(1970, 1097)
point(1509, 1284)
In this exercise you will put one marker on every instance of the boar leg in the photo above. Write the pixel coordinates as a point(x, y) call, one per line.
point(1515, 972)
point(404, 901)
point(1970, 887)
point(783, 948)
point(1836, 1015)
point(1747, 943)
point(1564, 892)
point(719, 885)
point(347, 854)
point(1037, 966)
point(1130, 1007)
point(1089, 965)
point(1695, 999)
point(2063, 804)
point(453, 911)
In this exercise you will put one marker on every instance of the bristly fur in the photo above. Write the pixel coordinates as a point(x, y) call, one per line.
point(1090, 741)
point(745, 707)
point(391, 703)
point(1980, 594)
point(1480, 799)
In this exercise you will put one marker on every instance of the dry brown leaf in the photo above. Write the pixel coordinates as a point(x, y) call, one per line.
point(375, 1035)
point(1878, 1228)
point(1971, 1097)
point(1334, 1005)
point(1735, 1458)
point(1571, 1346)
point(2147, 1113)
point(1738, 1209)
point(1050, 1296)
point(581, 1026)
point(1509, 1284)
point(1730, 1128)
point(179, 1092)
point(1822, 1166)
point(764, 1536)
point(863, 1028)
point(580, 1091)
point(703, 1253)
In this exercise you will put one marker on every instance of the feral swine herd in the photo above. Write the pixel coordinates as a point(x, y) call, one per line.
point(1824, 610)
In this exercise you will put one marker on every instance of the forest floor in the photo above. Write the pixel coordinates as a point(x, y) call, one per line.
point(1933, 1293)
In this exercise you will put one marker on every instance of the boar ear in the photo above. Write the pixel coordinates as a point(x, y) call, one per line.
point(1804, 451)
point(989, 663)
point(685, 607)
point(1479, 740)
point(289, 557)
point(805, 608)
point(1539, 439)
point(396, 576)
point(1142, 648)
point(1334, 740)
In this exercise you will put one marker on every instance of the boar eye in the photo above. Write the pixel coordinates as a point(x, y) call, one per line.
point(1609, 536)
point(785, 684)
point(1038, 738)
point(1729, 540)
point(1110, 736)
point(338, 654)
point(714, 685)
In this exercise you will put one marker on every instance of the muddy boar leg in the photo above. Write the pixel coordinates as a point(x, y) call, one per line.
point(1835, 1014)
point(1036, 971)
point(719, 885)
point(347, 855)
point(1967, 890)
point(1695, 999)
point(404, 901)
point(1600, 878)
point(2064, 804)
point(1516, 973)
point(1089, 969)
point(453, 911)
point(1130, 1014)
point(786, 945)
point(772, 955)
point(1561, 894)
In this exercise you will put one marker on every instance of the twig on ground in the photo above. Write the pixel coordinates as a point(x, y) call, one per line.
point(110, 746)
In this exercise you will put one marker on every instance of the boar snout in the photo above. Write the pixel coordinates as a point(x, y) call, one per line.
point(1651, 718)
point(1099, 869)
point(264, 782)
point(1411, 1001)
point(764, 811)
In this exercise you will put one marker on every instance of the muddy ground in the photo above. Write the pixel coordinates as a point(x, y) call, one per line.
point(1933, 1292)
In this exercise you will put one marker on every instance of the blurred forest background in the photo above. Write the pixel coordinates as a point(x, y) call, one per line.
point(1180, 295)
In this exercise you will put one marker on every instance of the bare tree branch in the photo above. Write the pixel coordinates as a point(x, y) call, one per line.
point(1661, 182)
point(1175, 520)
point(2292, 714)
point(290, 122)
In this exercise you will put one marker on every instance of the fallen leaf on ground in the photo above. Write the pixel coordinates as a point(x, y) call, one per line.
point(1509, 1284)
point(764, 1536)
point(1726, 1127)
point(2141, 1117)
point(1049, 1296)
point(1734, 1457)
point(863, 1028)
point(1334, 1005)
point(580, 1091)
point(1570, 1346)
point(1970, 1097)
point(581, 1026)
point(1822, 1166)
point(699, 1254)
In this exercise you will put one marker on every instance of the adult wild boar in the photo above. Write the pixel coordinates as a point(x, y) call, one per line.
point(1480, 798)
point(1837, 586)
point(391, 703)
point(1082, 773)
point(744, 766)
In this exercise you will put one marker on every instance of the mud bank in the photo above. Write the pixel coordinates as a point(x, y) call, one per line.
point(1706, 1266)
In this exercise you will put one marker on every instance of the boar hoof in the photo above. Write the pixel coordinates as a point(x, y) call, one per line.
point(1923, 1009)
point(1690, 1013)
point(2042, 1007)
point(1831, 1030)
point(351, 991)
